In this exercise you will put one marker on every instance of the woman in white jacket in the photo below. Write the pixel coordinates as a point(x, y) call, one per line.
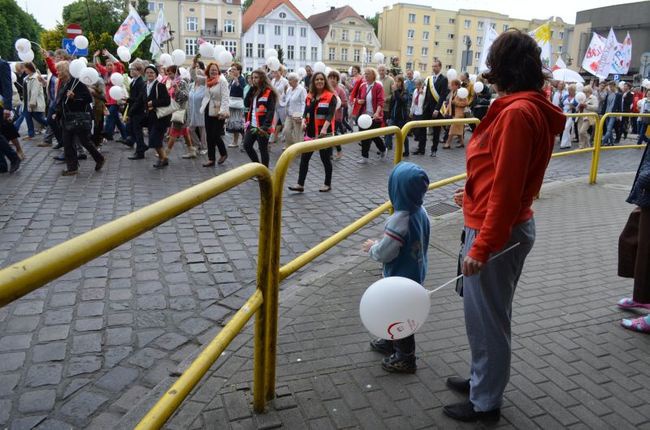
point(216, 108)
point(590, 105)
point(34, 99)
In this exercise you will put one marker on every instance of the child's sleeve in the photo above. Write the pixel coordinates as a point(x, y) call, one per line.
point(395, 234)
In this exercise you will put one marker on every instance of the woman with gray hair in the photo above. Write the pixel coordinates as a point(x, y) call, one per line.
point(294, 100)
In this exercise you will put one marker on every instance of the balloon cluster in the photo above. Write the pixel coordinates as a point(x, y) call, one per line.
point(117, 91)
point(24, 48)
point(208, 50)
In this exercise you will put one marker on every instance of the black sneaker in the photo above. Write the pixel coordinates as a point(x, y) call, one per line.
point(399, 365)
point(433, 153)
point(82, 157)
point(458, 384)
point(465, 412)
point(15, 166)
point(382, 345)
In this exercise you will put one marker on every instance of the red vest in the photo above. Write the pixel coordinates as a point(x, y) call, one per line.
point(322, 109)
point(260, 108)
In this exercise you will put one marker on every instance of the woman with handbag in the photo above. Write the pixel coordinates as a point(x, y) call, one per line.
point(318, 121)
point(73, 110)
point(634, 248)
point(260, 101)
point(159, 113)
point(179, 93)
point(235, 123)
point(215, 107)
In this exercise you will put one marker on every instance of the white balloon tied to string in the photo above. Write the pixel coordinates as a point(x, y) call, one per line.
point(319, 66)
point(76, 67)
point(218, 50)
point(178, 56)
point(116, 92)
point(273, 63)
point(478, 87)
point(416, 75)
point(81, 42)
point(581, 97)
point(124, 53)
point(26, 56)
point(364, 121)
point(452, 74)
point(23, 45)
point(89, 76)
point(224, 59)
point(327, 71)
point(117, 79)
point(270, 53)
point(302, 72)
point(166, 60)
point(206, 49)
point(378, 58)
point(462, 93)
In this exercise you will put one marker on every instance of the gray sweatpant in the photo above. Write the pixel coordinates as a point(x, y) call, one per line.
point(487, 299)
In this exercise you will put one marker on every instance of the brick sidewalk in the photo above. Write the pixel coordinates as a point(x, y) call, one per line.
point(573, 365)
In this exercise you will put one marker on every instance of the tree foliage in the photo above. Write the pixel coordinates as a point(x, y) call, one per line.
point(246, 5)
point(374, 21)
point(14, 24)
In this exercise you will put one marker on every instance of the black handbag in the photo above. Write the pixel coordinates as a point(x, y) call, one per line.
point(77, 121)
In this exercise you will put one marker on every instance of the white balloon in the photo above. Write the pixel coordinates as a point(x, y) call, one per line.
point(452, 74)
point(116, 92)
point(621, 85)
point(23, 45)
point(378, 58)
point(76, 67)
point(26, 56)
point(327, 71)
point(124, 54)
point(302, 72)
point(185, 74)
point(14, 78)
point(416, 75)
point(85, 60)
point(364, 121)
point(580, 86)
point(81, 42)
point(13, 66)
point(319, 66)
point(270, 53)
point(646, 84)
point(224, 59)
point(394, 308)
point(639, 104)
point(166, 60)
point(89, 76)
point(338, 103)
point(581, 97)
point(479, 87)
point(117, 79)
point(350, 71)
point(472, 78)
point(273, 63)
point(178, 56)
point(218, 50)
point(206, 49)
point(462, 93)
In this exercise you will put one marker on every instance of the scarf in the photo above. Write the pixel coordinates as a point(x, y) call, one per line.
point(211, 82)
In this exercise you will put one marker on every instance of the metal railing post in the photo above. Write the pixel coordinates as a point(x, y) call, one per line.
point(595, 157)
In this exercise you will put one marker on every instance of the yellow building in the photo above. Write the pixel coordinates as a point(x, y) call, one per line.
point(421, 34)
point(346, 37)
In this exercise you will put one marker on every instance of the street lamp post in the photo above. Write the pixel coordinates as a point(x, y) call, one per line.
point(467, 55)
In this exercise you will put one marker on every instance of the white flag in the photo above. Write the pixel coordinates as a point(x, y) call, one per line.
point(160, 35)
point(594, 53)
point(605, 63)
point(559, 64)
point(542, 36)
point(622, 57)
point(488, 38)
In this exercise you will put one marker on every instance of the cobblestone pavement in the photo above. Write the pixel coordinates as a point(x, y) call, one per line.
point(82, 350)
point(573, 365)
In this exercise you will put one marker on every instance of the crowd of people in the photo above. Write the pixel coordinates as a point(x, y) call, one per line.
point(202, 104)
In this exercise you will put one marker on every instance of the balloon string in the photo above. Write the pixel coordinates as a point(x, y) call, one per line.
point(451, 281)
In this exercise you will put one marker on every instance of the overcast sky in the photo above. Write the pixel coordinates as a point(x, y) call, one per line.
point(48, 12)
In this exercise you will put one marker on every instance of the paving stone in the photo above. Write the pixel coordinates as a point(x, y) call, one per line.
point(22, 324)
point(130, 398)
point(27, 423)
point(87, 343)
point(194, 326)
point(50, 333)
point(15, 342)
point(119, 336)
point(90, 309)
point(28, 308)
point(8, 383)
point(83, 404)
point(44, 374)
point(83, 364)
point(117, 379)
point(37, 401)
point(115, 355)
point(54, 351)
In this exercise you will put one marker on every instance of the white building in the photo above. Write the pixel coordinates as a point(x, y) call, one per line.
point(278, 24)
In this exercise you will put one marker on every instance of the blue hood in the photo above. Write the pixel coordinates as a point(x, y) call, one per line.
point(407, 185)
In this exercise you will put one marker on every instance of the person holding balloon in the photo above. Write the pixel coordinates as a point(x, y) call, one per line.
point(457, 104)
point(136, 111)
point(33, 99)
point(506, 157)
point(587, 103)
point(403, 252)
point(215, 107)
point(158, 122)
point(112, 73)
point(370, 100)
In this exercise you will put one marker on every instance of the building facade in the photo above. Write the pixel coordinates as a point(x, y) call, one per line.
point(216, 21)
point(278, 24)
point(623, 18)
point(348, 39)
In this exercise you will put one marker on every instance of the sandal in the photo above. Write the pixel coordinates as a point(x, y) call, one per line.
point(325, 189)
point(297, 188)
point(637, 324)
point(629, 303)
point(209, 164)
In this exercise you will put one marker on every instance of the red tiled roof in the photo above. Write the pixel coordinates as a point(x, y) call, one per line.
point(320, 22)
point(261, 8)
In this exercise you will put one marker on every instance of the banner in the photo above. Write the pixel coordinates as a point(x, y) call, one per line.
point(622, 57)
point(542, 36)
point(488, 38)
point(160, 35)
point(132, 31)
point(591, 62)
point(605, 63)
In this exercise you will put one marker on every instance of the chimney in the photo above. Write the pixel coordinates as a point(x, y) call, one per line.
point(332, 8)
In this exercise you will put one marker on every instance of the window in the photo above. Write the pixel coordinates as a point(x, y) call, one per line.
point(409, 66)
point(409, 50)
point(249, 70)
point(151, 6)
point(161, 6)
point(277, 30)
point(450, 36)
point(480, 25)
point(477, 55)
point(249, 50)
point(411, 18)
point(450, 51)
point(369, 37)
point(303, 31)
point(493, 25)
point(260, 50)
point(303, 53)
point(465, 38)
point(344, 36)
point(476, 70)
point(436, 43)
point(333, 34)
point(357, 36)
point(425, 35)
point(552, 34)
point(290, 52)
point(410, 34)
point(423, 67)
point(448, 66)
point(283, 15)
point(427, 20)
point(468, 23)
point(190, 47)
point(231, 46)
point(192, 23)
point(344, 54)
point(314, 53)
point(437, 28)
point(425, 52)
point(229, 26)
point(559, 49)
point(290, 31)
point(332, 54)
point(260, 28)
point(479, 40)
point(561, 35)
point(357, 55)
point(277, 47)
point(505, 27)
point(452, 21)
point(368, 56)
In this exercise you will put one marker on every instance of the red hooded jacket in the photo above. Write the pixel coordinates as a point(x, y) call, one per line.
point(506, 160)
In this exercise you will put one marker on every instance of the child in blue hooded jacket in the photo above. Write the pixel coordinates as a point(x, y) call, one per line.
point(403, 251)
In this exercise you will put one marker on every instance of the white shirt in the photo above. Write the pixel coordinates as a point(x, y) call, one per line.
point(369, 109)
point(417, 108)
point(253, 110)
point(294, 100)
point(280, 85)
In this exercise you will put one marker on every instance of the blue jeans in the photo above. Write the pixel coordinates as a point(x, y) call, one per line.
point(29, 117)
point(608, 138)
point(642, 127)
point(112, 120)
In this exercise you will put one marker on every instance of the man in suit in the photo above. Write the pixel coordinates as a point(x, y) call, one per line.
point(435, 94)
point(136, 111)
point(612, 103)
point(6, 94)
point(628, 97)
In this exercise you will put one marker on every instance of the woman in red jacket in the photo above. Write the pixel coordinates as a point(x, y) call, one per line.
point(506, 160)
point(370, 101)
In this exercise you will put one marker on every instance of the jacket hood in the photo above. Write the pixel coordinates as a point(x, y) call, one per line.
point(553, 114)
point(407, 185)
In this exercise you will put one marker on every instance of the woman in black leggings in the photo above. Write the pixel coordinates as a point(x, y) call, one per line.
point(260, 101)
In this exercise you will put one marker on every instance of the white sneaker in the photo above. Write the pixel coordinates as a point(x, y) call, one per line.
point(362, 161)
